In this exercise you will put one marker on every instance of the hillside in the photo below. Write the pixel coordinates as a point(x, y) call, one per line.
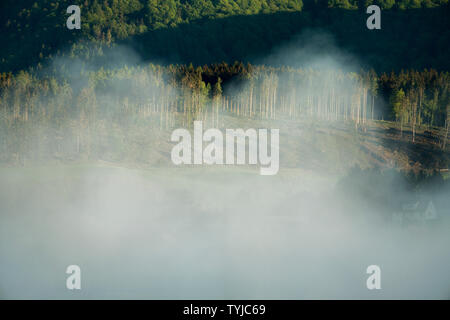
point(224, 149)
point(94, 88)
point(414, 34)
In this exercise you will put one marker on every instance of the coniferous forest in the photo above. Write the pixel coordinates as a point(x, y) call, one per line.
point(414, 33)
point(108, 102)
point(99, 200)
point(155, 65)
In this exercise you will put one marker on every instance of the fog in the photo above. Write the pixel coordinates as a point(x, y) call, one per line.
point(315, 49)
point(205, 233)
point(213, 232)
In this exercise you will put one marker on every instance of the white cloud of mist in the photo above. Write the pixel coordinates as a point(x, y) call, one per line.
point(215, 233)
point(313, 49)
point(193, 233)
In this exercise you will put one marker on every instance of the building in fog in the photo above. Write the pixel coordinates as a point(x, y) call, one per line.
point(417, 212)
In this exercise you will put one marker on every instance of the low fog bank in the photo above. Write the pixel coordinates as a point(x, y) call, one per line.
point(209, 233)
point(312, 49)
point(217, 233)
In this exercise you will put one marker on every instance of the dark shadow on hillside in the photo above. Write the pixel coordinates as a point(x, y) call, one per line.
point(425, 150)
point(408, 39)
point(416, 38)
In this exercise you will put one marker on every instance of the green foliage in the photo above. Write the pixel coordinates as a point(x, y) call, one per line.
point(196, 30)
point(398, 103)
point(162, 13)
point(77, 111)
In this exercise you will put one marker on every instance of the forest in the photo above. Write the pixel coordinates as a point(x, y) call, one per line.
point(414, 34)
point(204, 59)
point(88, 178)
point(162, 98)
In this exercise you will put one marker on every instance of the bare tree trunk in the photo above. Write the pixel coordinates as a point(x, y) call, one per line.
point(447, 125)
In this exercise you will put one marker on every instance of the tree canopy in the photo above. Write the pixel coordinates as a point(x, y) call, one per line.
point(211, 31)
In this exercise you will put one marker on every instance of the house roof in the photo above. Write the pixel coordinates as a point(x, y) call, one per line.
point(418, 205)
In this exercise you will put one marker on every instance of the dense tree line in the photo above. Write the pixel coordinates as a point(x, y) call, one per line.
point(385, 4)
point(212, 31)
point(411, 98)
